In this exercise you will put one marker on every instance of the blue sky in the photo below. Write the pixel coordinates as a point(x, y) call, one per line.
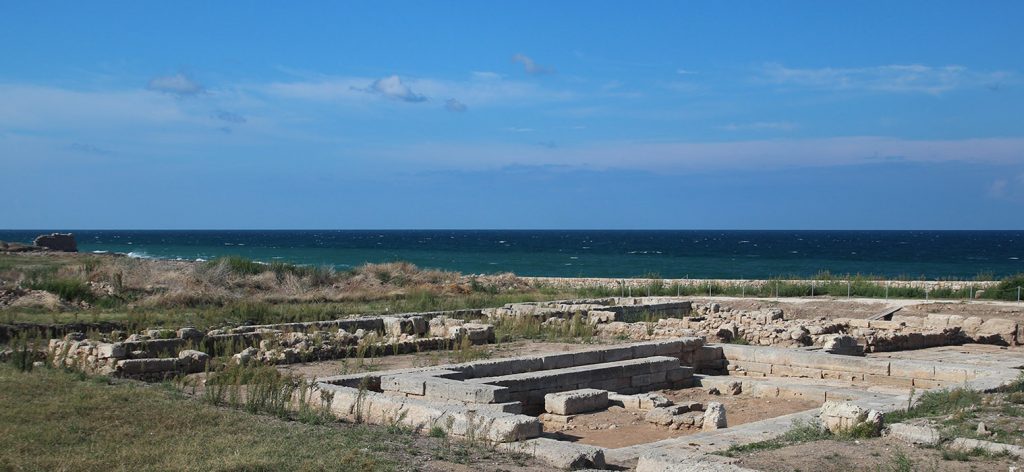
point(747, 115)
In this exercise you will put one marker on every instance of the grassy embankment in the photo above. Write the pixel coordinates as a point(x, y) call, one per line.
point(233, 290)
point(56, 420)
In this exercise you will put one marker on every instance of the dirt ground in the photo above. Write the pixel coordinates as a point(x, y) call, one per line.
point(804, 308)
point(879, 454)
point(617, 427)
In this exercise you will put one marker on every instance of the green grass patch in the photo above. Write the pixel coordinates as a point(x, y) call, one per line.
point(957, 401)
point(68, 289)
point(56, 421)
point(800, 432)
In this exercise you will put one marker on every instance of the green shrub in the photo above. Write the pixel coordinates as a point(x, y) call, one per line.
point(239, 265)
point(69, 289)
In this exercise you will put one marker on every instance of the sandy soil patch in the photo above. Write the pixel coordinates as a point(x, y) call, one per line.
point(617, 427)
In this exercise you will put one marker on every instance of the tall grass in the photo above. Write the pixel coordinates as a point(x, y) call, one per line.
point(573, 330)
point(68, 289)
point(937, 403)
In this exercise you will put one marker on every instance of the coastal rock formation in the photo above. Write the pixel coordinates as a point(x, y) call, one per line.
point(64, 242)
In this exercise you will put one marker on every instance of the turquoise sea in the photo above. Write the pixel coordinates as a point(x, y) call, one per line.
point(592, 253)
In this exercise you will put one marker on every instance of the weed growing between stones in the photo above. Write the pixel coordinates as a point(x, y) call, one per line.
point(800, 432)
point(899, 462)
point(264, 389)
point(573, 330)
point(936, 403)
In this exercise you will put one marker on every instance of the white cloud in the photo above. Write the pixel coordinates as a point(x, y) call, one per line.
point(531, 66)
point(454, 105)
point(41, 107)
point(474, 92)
point(178, 84)
point(393, 87)
point(887, 78)
point(486, 75)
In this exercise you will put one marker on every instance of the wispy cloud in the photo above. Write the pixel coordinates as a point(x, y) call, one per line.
point(673, 157)
point(762, 126)
point(479, 90)
point(229, 117)
point(178, 84)
point(393, 87)
point(89, 149)
point(1011, 188)
point(531, 66)
point(454, 105)
point(887, 78)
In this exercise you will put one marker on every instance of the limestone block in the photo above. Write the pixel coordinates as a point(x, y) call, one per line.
point(912, 434)
point(587, 357)
point(479, 333)
point(652, 400)
point(842, 344)
point(617, 354)
point(714, 417)
point(646, 380)
point(662, 416)
point(576, 401)
point(841, 416)
point(562, 454)
point(998, 329)
point(557, 361)
point(111, 350)
point(191, 334)
point(790, 371)
point(147, 366)
point(674, 460)
point(403, 383)
point(964, 444)
point(629, 402)
point(446, 389)
point(752, 366)
point(911, 369)
point(193, 361)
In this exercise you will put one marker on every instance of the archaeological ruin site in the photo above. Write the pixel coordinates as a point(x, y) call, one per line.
point(672, 381)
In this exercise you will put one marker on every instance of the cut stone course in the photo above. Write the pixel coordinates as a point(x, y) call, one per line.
point(576, 401)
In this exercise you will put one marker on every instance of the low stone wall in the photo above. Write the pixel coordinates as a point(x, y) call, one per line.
point(919, 332)
point(362, 405)
point(778, 362)
point(153, 353)
point(490, 394)
point(628, 376)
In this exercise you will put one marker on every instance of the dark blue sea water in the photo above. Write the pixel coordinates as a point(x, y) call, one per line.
point(588, 253)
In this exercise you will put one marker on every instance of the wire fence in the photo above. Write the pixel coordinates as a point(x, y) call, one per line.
point(837, 288)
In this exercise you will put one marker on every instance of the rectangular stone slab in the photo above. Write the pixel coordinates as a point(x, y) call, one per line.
point(576, 401)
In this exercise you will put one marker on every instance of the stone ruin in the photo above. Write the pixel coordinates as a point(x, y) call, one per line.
point(159, 354)
point(855, 371)
point(647, 318)
point(511, 402)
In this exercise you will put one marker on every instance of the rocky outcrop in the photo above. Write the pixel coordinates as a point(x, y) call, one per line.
point(64, 242)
